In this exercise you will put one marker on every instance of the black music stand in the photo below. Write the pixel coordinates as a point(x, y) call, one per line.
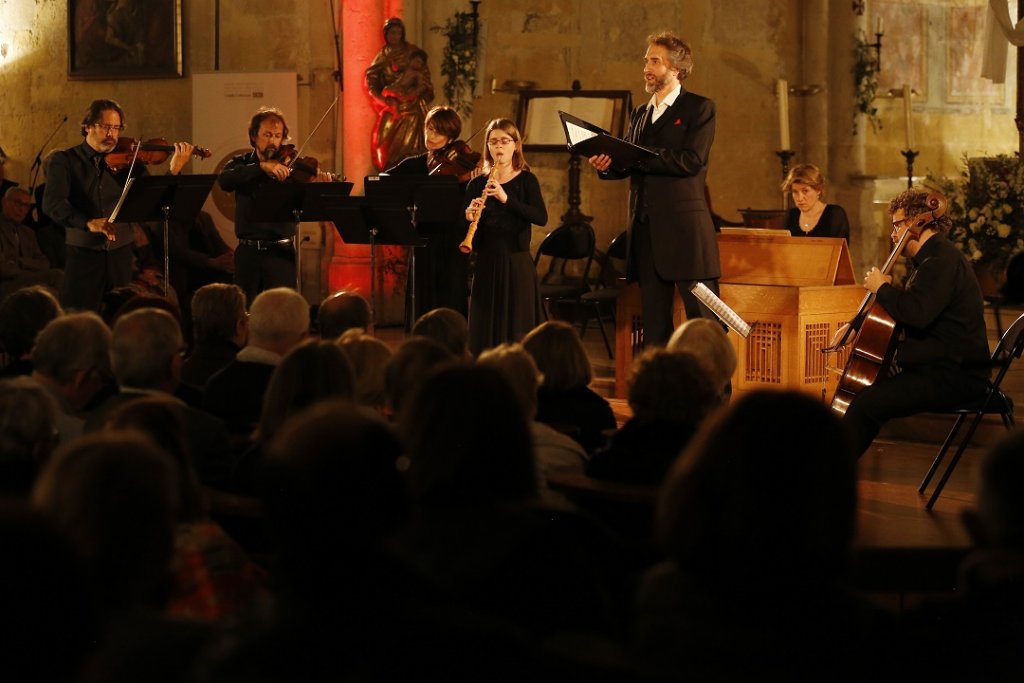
point(372, 221)
point(294, 203)
point(427, 199)
point(153, 198)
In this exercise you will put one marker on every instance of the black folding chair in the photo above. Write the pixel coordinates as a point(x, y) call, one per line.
point(566, 244)
point(601, 301)
point(995, 403)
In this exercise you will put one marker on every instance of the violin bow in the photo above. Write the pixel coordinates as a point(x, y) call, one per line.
point(319, 123)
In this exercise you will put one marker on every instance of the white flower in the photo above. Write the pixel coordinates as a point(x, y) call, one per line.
point(1003, 230)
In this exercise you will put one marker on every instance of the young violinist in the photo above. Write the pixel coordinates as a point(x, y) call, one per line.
point(441, 269)
point(942, 354)
point(81, 192)
point(265, 257)
point(504, 205)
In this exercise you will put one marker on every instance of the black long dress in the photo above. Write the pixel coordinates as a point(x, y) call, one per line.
point(441, 269)
point(505, 303)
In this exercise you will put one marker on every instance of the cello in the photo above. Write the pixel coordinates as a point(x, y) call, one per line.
point(874, 348)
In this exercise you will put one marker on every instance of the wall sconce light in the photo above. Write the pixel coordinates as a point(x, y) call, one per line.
point(877, 45)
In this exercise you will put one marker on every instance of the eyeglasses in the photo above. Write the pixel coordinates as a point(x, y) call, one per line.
point(500, 141)
point(107, 127)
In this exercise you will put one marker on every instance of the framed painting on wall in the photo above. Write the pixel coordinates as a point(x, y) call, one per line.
point(110, 39)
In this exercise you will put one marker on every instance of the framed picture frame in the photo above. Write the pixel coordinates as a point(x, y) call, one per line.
point(118, 39)
point(541, 128)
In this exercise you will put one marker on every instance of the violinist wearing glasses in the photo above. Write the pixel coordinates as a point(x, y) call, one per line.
point(81, 192)
point(265, 257)
point(441, 269)
point(941, 344)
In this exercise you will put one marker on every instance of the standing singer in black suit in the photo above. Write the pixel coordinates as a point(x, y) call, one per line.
point(672, 239)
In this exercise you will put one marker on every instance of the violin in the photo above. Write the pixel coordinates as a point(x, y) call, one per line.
point(304, 169)
point(875, 346)
point(154, 151)
point(455, 159)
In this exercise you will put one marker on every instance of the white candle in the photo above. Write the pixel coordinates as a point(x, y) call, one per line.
point(908, 122)
point(782, 88)
point(878, 26)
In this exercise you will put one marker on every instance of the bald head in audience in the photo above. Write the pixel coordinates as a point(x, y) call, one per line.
point(341, 311)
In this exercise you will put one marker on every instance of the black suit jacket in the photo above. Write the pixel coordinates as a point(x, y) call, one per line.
point(668, 190)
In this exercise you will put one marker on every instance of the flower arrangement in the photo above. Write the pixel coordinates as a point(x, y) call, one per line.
point(986, 206)
point(460, 60)
point(865, 82)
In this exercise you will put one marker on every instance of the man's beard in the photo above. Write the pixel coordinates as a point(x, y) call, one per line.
point(270, 152)
point(658, 84)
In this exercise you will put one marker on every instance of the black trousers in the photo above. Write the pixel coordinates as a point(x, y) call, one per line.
point(657, 294)
point(259, 269)
point(915, 390)
point(89, 274)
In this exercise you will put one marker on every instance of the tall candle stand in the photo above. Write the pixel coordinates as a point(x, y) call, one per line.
point(784, 156)
point(910, 155)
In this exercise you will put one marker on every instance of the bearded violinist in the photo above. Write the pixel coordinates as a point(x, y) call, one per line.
point(942, 355)
point(441, 269)
point(265, 257)
point(81, 192)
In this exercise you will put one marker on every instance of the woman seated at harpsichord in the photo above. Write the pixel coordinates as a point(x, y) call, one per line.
point(811, 216)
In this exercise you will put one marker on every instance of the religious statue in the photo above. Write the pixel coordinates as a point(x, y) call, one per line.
point(399, 82)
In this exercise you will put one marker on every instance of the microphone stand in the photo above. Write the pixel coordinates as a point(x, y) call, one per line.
point(38, 163)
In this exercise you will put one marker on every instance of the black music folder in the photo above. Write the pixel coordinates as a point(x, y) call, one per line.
point(586, 139)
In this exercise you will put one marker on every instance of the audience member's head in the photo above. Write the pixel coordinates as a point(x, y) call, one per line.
point(27, 434)
point(218, 314)
point(369, 357)
point(115, 497)
point(765, 494)
point(23, 313)
point(159, 419)
point(72, 355)
point(706, 340)
point(410, 364)
point(344, 310)
point(16, 204)
point(278, 320)
point(311, 372)
point(998, 520)
point(49, 625)
point(145, 350)
point(336, 492)
point(519, 370)
point(671, 386)
point(120, 301)
point(468, 440)
point(447, 327)
point(560, 356)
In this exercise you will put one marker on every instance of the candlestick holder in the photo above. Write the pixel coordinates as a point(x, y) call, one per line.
point(784, 156)
point(877, 47)
point(910, 155)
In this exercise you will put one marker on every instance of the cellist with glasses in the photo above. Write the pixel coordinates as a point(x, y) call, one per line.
point(941, 358)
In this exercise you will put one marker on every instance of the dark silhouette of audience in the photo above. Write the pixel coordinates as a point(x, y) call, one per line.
point(447, 327)
point(369, 357)
point(22, 315)
point(410, 364)
point(278, 321)
point(756, 518)
point(670, 394)
point(28, 434)
point(220, 328)
point(565, 400)
point(342, 311)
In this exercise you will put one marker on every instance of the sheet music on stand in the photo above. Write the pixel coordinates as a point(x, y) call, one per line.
point(588, 140)
point(721, 309)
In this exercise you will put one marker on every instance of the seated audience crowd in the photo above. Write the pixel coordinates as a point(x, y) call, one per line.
point(289, 498)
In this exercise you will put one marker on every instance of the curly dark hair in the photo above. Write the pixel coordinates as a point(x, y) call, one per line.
point(914, 201)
